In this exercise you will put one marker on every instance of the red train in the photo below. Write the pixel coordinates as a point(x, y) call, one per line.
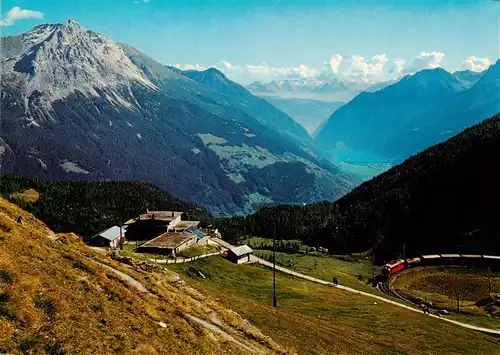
point(396, 266)
point(393, 267)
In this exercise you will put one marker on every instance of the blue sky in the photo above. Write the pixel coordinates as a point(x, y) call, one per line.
point(367, 40)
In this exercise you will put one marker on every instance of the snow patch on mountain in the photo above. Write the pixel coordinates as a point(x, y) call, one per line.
point(30, 122)
point(71, 167)
point(40, 161)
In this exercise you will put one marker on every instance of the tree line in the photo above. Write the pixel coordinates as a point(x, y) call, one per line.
point(88, 207)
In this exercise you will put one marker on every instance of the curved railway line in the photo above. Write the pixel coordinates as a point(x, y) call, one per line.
point(392, 270)
point(386, 288)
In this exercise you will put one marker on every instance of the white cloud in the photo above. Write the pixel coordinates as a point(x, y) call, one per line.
point(397, 68)
point(16, 13)
point(355, 68)
point(364, 70)
point(249, 73)
point(225, 64)
point(193, 67)
point(426, 60)
point(334, 63)
point(300, 72)
point(476, 64)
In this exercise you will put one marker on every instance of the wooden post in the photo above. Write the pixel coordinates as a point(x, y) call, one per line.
point(275, 299)
point(489, 282)
point(373, 266)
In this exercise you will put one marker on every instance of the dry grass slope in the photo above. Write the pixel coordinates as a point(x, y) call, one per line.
point(27, 196)
point(54, 299)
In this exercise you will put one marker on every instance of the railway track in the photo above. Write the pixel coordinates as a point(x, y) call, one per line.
point(385, 287)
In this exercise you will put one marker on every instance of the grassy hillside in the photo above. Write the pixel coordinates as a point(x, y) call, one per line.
point(315, 319)
point(87, 207)
point(443, 199)
point(443, 286)
point(55, 298)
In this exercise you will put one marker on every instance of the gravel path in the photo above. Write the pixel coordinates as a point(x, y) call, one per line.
point(131, 281)
point(215, 329)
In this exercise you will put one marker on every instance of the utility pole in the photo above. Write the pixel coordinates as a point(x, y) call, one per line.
point(122, 239)
point(275, 300)
point(373, 266)
point(404, 251)
point(489, 281)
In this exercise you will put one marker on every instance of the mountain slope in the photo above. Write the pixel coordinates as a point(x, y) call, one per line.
point(240, 97)
point(76, 105)
point(309, 113)
point(57, 297)
point(463, 110)
point(410, 115)
point(441, 200)
point(468, 77)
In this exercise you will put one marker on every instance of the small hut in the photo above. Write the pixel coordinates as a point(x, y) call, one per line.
point(240, 255)
point(110, 238)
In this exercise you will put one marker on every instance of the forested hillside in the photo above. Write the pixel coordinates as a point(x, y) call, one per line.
point(443, 199)
point(86, 207)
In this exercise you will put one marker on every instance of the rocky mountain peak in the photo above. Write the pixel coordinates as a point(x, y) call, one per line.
point(67, 58)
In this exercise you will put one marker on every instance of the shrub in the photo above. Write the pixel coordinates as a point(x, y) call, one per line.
point(96, 308)
point(5, 308)
point(45, 303)
point(28, 344)
point(6, 278)
point(4, 228)
point(79, 265)
point(112, 294)
point(54, 349)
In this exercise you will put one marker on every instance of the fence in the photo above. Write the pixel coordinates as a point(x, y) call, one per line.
point(185, 260)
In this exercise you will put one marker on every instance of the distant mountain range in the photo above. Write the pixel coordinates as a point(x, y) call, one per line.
point(443, 200)
point(418, 111)
point(330, 89)
point(76, 105)
point(310, 101)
